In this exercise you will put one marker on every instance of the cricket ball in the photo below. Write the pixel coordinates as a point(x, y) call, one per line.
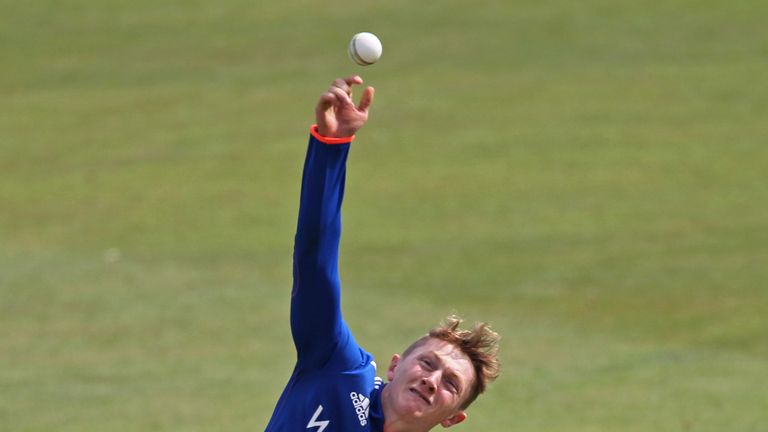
point(365, 48)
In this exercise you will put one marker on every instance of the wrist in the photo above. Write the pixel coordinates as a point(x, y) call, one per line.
point(338, 133)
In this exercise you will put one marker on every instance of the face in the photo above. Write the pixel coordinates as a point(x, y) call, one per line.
point(427, 387)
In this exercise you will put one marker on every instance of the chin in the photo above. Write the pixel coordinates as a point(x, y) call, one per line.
point(413, 407)
point(412, 410)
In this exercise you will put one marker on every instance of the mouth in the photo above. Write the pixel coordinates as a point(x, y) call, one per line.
point(419, 394)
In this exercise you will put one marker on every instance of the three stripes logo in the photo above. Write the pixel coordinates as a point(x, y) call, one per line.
point(362, 407)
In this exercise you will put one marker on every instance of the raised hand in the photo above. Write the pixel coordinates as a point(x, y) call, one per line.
point(336, 114)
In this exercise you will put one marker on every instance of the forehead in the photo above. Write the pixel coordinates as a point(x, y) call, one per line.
point(449, 354)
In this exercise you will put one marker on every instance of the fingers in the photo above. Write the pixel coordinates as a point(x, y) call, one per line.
point(334, 96)
point(326, 101)
point(367, 99)
point(341, 96)
point(353, 79)
point(346, 83)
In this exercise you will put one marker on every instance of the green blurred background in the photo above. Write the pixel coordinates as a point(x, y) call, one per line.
point(591, 177)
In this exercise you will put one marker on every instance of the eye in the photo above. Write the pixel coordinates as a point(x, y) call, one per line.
point(427, 363)
point(452, 386)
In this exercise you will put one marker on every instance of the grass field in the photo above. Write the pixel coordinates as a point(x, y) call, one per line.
point(591, 177)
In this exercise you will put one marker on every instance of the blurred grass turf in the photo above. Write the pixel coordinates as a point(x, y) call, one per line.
point(588, 176)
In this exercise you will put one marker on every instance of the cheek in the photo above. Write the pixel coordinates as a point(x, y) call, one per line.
point(407, 377)
point(448, 399)
point(412, 373)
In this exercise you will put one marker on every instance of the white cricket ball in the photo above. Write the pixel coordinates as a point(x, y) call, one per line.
point(364, 48)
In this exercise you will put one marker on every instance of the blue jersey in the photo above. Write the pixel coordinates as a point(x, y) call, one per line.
point(333, 387)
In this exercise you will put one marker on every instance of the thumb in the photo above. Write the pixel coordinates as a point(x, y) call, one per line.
point(366, 100)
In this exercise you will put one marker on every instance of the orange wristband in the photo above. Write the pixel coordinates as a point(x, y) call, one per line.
point(329, 140)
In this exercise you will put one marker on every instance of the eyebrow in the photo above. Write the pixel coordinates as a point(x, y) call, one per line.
point(449, 371)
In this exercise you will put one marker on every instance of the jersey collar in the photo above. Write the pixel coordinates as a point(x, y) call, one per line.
point(376, 416)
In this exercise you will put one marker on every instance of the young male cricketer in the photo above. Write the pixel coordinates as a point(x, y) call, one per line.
point(333, 387)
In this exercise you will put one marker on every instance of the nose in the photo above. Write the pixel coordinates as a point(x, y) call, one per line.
point(429, 383)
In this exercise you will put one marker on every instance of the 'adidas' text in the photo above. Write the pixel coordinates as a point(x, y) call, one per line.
point(362, 407)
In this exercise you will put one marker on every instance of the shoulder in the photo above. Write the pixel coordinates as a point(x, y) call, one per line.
point(349, 356)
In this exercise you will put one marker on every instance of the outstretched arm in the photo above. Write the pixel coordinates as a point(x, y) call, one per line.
point(316, 322)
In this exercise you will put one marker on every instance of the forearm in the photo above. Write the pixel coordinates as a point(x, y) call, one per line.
point(322, 189)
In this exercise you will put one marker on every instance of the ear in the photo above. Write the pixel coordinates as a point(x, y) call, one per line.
point(392, 366)
point(454, 419)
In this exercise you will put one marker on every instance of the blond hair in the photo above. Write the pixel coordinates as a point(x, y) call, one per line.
point(480, 344)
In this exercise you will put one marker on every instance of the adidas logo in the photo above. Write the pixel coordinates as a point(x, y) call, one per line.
point(362, 407)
